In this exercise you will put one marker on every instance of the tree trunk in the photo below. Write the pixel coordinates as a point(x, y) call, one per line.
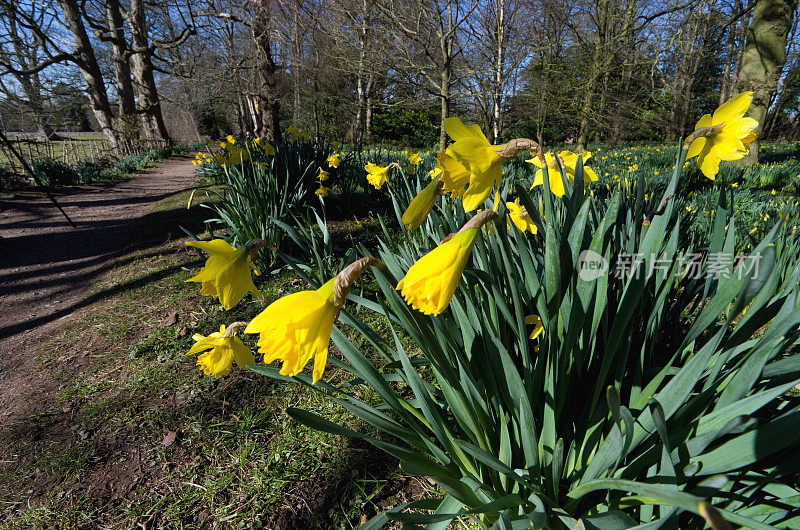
point(361, 91)
point(255, 115)
point(122, 70)
point(90, 69)
point(444, 98)
point(764, 56)
point(368, 111)
point(499, 67)
point(142, 68)
point(296, 66)
point(267, 71)
point(595, 71)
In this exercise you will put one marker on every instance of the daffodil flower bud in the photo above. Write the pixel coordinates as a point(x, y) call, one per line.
point(421, 205)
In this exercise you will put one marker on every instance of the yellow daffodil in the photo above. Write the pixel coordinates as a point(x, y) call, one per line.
point(377, 175)
point(430, 283)
point(269, 150)
point(230, 139)
point(297, 134)
point(322, 191)
point(520, 218)
point(472, 150)
point(413, 158)
point(297, 327)
point(569, 161)
point(454, 176)
point(421, 206)
point(730, 141)
point(224, 351)
point(323, 175)
point(334, 160)
point(226, 273)
point(538, 328)
point(237, 156)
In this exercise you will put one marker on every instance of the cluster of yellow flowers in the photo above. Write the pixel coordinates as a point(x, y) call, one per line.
point(333, 163)
point(296, 328)
point(233, 155)
point(200, 158)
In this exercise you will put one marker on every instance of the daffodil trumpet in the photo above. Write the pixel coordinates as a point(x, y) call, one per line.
point(430, 283)
point(297, 328)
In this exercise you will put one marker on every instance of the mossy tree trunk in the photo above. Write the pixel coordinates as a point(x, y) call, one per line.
point(763, 59)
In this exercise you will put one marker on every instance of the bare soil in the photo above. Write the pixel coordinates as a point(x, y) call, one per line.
point(48, 267)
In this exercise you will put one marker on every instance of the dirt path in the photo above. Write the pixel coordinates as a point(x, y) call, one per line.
point(47, 267)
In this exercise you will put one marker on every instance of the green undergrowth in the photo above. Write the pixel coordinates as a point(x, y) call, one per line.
point(129, 433)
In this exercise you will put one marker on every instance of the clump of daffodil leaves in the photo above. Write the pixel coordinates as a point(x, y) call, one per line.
point(556, 395)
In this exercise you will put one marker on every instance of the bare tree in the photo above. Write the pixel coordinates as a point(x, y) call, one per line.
point(20, 53)
point(427, 40)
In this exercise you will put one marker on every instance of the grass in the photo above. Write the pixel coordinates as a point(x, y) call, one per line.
point(98, 450)
point(70, 150)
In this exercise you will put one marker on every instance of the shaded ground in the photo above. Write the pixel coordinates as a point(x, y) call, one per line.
point(106, 424)
point(46, 267)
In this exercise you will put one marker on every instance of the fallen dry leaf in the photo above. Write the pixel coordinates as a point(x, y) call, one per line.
point(169, 439)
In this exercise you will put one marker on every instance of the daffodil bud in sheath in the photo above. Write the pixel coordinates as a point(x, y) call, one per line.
point(421, 205)
point(296, 328)
point(430, 283)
